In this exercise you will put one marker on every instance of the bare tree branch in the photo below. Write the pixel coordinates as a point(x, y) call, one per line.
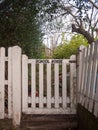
point(83, 32)
point(68, 10)
point(90, 18)
point(93, 4)
point(95, 23)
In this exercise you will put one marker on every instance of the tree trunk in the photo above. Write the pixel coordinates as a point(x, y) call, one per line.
point(83, 32)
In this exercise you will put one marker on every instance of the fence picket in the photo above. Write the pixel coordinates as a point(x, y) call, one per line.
point(96, 98)
point(49, 85)
point(85, 76)
point(10, 82)
point(72, 76)
point(41, 85)
point(64, 84)
point(93, 78)
point(33, 82)
point(86, 79)
point(24, 83)
point(2, 79)
point(79, 71)
point(89, 74)
point(56, 77)
point(96, 86)
point(82, 75)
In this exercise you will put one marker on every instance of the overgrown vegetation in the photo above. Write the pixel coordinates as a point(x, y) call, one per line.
point(67, 49)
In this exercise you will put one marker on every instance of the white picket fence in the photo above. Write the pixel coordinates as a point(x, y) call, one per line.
point(18, 74)
point(10, 84)
point(88, 78)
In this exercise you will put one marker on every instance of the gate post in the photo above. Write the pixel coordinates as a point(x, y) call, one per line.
point(16, 84)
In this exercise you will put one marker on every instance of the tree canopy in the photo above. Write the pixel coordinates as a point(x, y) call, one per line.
point(19, 26)
point(22, 21)
point(82, 15)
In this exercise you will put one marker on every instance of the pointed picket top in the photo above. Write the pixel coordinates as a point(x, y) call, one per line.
point(72, 59)
point(17, 48)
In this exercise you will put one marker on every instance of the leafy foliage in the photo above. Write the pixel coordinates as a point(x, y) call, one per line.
point(69, 48)
point(19, 26)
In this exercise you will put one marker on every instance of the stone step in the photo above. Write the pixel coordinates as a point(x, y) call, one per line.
point(49, 117)
point(52, 126)
point(49, 122)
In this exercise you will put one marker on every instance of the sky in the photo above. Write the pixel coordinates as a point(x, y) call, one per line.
point(56, 34)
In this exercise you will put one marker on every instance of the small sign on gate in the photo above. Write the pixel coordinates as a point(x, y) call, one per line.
point(38, 61)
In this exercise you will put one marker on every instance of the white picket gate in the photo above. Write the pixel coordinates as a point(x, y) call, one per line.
point(35, 86)
point(88, 78)
point(51, 98)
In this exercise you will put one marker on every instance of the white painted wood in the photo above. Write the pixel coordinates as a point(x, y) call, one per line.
point(52, 100)
point(41, 85)
point(82, 76)
point(56, 89)
point(84, 85)
point(72, 76)
point(85, 76)
point(96, 99)
point(79, 71)
point(49, 85)
point(10, 83)
point(90, 87)
point(16, 72)
point(29, 101)
point(5, 58)
point(6, 82)
point(46, 61)
point(96, 88)
point(93, 78)
point(37, 100)
point(88, 75)
point(48, 99)
point(2, 78)
point(64, 84)
point(50, 111)
point(24, 82)
point(33, 82)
